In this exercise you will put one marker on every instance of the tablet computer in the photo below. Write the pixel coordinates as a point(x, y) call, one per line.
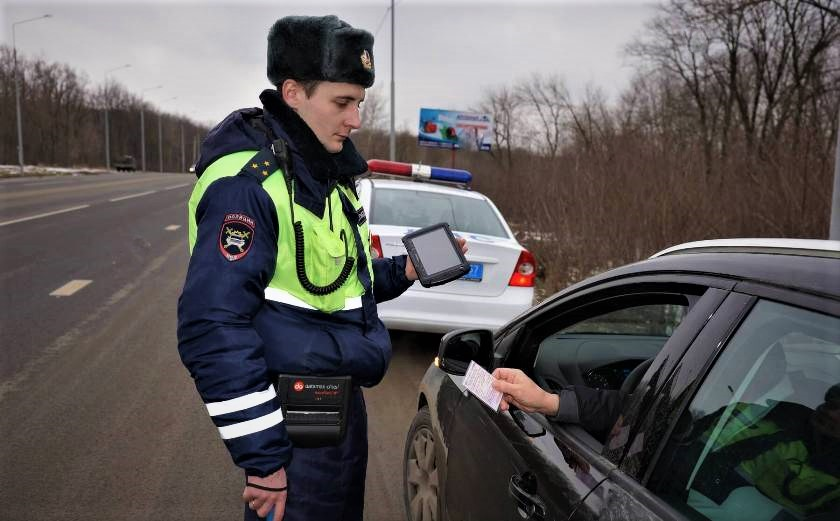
point(436, 255)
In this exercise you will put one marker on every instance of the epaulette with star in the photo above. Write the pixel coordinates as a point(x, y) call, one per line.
point(261, 166)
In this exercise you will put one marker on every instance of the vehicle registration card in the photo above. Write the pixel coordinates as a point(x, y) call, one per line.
point(478, 381)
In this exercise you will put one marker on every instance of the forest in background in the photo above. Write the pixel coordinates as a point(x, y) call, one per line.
point(64, 115)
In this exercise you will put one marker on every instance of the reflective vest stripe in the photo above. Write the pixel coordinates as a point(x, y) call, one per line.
point(278, 295)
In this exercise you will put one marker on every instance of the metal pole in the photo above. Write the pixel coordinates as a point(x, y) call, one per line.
point(160, 142)
point(393, 138)
point(17, 88)
point(160, 134)
point(17, 103)
point(107, 141)
point(142, 138)
point(183, 158)
point(834, 229)
point(107, 107)
point(143, 126)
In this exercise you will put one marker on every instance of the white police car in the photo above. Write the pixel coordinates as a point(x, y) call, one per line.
point(500, 284)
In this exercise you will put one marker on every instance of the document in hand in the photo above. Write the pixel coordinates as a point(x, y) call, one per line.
point(479, 382)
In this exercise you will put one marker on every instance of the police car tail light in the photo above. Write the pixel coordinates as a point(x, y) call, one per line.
point(433, 173)
point(375, 247)
point(525, 270)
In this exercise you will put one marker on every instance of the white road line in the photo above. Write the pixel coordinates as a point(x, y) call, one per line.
point(70, 288)
point(31, 217)
point(177, 186)
point(45, 183)
point(172, 227)
point(132, 196)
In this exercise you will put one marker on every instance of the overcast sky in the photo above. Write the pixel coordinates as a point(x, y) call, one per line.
point(211, 54)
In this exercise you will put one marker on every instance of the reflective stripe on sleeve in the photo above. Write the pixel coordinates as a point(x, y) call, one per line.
point(251, 426)
point(241, 403)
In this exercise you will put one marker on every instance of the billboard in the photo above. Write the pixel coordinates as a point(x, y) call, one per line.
point(455, 129)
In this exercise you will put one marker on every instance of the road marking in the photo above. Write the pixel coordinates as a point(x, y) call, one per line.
point(132, 196)
point(70, 288)
point(43, 183)
point(177, 186)
point(31, 217)
point(172, 227)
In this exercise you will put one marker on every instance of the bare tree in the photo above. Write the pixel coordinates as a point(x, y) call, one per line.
point(505, 107)
point(547, 98)
point(374, 109)
point(64, 117)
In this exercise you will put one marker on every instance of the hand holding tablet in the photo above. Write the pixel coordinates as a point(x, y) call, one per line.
point(436, 255)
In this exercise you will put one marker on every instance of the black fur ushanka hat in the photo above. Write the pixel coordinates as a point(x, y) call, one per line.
point(319, 48)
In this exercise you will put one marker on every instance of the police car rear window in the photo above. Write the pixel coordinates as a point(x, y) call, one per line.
point(420, 208)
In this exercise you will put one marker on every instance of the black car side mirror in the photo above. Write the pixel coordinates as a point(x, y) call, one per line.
point(458, 348)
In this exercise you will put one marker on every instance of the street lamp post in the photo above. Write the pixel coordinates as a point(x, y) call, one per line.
point(160, 135)
point(183, 157)
point(143, 126)
point(107, 107)
point(392, 141)
point(17, 88)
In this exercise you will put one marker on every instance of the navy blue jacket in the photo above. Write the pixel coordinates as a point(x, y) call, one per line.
point(233, 340)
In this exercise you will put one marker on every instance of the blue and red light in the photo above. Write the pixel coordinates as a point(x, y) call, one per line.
point(434, 173)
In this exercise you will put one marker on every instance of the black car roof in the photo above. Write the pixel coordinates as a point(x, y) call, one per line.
point(817, 275)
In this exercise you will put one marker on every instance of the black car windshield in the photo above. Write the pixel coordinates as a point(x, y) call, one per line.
point(420, 208)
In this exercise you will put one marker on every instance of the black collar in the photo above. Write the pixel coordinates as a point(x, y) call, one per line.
point(320, 164)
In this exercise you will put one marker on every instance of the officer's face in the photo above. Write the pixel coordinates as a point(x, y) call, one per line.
point(331, 112)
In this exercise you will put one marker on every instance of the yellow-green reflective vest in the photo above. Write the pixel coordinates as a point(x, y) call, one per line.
point(324, 250)
point(782, 472)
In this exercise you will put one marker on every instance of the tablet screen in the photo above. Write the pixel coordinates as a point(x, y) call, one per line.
point(435, 251)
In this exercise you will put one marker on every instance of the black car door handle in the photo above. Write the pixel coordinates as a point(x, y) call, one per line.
point(523, 489)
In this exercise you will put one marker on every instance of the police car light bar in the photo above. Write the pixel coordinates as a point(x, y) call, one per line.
point(433, 173)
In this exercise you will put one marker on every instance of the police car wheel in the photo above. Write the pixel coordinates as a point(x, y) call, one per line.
point(420, 473)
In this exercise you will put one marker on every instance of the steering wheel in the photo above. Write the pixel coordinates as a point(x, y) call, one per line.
point(632, 380)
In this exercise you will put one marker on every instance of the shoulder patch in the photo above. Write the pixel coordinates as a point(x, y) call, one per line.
point(236, 236)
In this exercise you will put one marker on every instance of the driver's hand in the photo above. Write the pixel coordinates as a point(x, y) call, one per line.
point(519, 390)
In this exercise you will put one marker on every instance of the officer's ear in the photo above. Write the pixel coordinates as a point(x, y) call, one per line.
point(293, 93)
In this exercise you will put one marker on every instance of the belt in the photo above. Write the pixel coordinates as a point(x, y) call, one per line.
point(284, 297)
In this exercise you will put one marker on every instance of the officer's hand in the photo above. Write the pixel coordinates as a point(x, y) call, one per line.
point(519, 390)
point(411, 273)
point(263, 501)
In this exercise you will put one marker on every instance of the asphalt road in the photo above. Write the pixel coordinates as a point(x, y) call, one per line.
point(98, 418)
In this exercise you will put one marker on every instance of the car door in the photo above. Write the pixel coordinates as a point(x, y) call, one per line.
point(516, 465)
point(747, 426)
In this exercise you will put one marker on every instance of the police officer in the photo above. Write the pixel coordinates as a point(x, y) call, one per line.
point(280, 279)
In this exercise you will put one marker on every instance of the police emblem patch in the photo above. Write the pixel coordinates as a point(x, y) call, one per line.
point(236, 236)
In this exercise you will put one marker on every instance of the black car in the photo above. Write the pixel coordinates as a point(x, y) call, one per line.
point(727, 357)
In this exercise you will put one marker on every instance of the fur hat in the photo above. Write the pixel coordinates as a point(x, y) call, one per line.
point(319, 48)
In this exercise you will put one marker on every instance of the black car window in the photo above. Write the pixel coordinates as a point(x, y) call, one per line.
point(602, 346)
point(762, 435)
point(421, 208)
